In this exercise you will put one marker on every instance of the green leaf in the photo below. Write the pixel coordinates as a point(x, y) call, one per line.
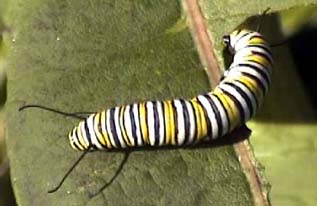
point(79, 56)
point(284, 136)
point(284, 130)
point(89, 55)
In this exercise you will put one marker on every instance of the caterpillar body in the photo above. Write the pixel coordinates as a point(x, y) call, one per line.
point(181, 122)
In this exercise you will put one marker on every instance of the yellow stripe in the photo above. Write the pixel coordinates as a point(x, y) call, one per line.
point(80, 135)
point(230, 107)
point(105, 134)
point(253, 86)
point(257, 40)
point(173, 122)
point(198, 120)
point(97, 128)
point(170, 136)
point(167, 122)
point(72, 143)
point(125, 136)
point(259, 59)
point(235, 32)
point(203, 121)
point(143, 124)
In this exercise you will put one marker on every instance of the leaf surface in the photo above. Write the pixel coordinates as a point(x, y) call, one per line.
point(89, 55)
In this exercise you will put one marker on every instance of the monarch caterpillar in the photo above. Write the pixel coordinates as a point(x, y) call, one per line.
point(182, 122)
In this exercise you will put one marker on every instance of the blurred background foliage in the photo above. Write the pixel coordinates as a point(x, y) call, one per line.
point(284, 131)
point(6, 193)
point(289, 150)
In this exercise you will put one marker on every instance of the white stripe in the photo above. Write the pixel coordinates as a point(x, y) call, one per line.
point(211, 115)
point(180, 122)
point(248, 92)
point(235, 66)
point(239, 98)
point(224, 119)
point(75, 141)
point(83, 132)
point(113, 143)
point(137, 124)
point(150, 122)
point(117, 127)
point(266, 70)
point(248, 51)
point(103, 125)
point(240, 42)
point(236, 71)
point(161, 120)
point(253, 72)
point(127, 124)
point(96, 129)
point(192, 121)
point(122, 126)
point(79, 131)
point(90, 124)
point(256, 48)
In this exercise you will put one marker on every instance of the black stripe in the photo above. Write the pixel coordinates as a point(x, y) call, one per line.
point(186, 120)
point(164, 121)
point(259, 63)
point(141, 132)
point(87, 132)
point(257, 80)
point(263, 55)
point(260, 37)
point(209, 128)
point(74, 143)
point(107, 130)
point(133, 126)
point(146, 122)
point(244, 95)
point(195, 122)
point(237, 104)
point(251, 91)
point(156, 124)
point(113, 128)
point(257, 36)
point(261, 46)
point(217, 113)
point(258, 70)
point(242, 36)
point(175, 122)
point(122, 129)
point(226, 112)
point(98, 128)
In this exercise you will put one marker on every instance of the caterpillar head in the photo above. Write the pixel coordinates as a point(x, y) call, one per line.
point(238, 39)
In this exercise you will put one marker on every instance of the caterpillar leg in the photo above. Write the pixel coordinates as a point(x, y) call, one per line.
point(122, 163)
point(69, 171)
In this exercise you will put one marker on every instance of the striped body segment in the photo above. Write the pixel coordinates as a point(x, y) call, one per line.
point(154, 123)
point(183, 122)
